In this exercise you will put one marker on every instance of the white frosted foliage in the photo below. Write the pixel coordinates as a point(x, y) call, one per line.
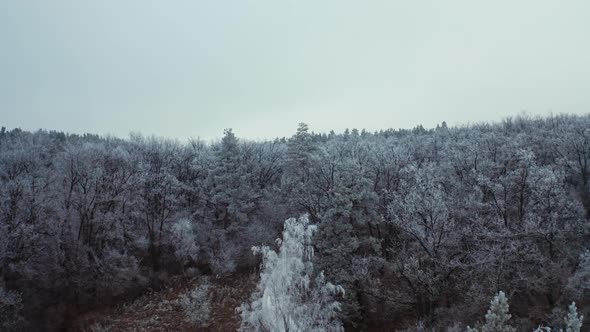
point(573, 321)
point(290, 297)
point(497, 316)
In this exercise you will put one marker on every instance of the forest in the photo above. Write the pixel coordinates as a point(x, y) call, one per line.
point(480, 227)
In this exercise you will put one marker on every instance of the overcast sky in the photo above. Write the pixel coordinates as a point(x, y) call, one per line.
point(191, 68)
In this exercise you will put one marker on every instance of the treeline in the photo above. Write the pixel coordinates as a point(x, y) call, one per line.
point(415, 225)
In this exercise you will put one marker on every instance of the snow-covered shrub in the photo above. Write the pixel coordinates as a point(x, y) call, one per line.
point(290, 297)
point(195, 304)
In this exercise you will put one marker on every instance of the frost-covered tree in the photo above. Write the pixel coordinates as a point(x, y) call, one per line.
point(573, 321)
point(157, 195)
point(290, 295)
point(301, 148)
point(429, 260)
point(235, 196)
point(497, 316)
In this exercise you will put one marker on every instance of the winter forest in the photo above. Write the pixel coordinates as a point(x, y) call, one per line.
point(483, 227)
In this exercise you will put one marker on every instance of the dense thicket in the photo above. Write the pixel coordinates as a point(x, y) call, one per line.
point(415, 225)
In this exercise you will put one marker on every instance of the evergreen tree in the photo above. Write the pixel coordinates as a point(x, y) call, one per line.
point(497, 316)
point(573, 321)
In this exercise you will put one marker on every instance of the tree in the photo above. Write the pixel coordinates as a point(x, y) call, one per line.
point(157, 194)
point(573, 321)
point(234, 200)
point(299, 154)
point(429, 260)
point(497, 316)
point(290, 296)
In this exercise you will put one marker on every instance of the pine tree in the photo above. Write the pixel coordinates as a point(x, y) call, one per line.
point(573, 322)
point(497, 316)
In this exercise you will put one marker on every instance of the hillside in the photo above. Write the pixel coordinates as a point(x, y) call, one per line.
point(402, 227)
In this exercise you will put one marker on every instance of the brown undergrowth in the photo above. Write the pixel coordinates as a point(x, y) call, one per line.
point(161, 311)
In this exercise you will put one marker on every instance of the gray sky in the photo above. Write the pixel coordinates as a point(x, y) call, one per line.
point(191, 68)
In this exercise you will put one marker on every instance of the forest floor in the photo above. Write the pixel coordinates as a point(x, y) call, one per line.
point(161, 311)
